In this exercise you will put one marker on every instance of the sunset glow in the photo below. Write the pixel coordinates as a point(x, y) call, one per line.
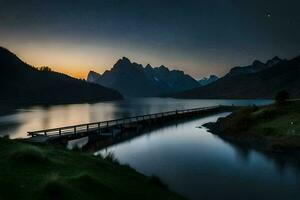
point(149, 99)
point(209, 39)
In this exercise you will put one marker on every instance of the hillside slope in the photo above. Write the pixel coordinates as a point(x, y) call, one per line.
point(45, 172)
point(273, 127)
point(22, 83)
point(263, 84)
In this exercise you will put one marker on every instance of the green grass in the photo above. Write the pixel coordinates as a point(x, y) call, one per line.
point(30, 155)
point(279, 125)
point(39, 172)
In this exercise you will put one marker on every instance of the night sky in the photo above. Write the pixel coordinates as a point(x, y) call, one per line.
point(199, 37)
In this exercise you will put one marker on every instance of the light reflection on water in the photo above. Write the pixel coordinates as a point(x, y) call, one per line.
point(200, 165)
point(190, 160)
point(77, 143)
point(17, 122)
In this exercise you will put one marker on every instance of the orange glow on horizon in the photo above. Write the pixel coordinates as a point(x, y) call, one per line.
point(80, 74)
point(76, 64)
point(76, 60)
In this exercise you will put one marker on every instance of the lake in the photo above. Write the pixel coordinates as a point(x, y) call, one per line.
point(189, 159)
point(200, 165)
point(16, 122)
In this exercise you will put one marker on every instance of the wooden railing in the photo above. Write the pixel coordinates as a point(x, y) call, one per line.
point(75, 129)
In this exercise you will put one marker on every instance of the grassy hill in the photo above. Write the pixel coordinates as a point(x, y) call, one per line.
point(33, 172)
point(273, 127)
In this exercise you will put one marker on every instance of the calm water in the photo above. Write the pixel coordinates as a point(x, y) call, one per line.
point(17, 122)
point(200, 165)
point(191, 161)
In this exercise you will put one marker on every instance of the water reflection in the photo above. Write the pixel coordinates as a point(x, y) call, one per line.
point(22, 120)
point(190, 160)
point(281, 161)
point(77, 143)
point(200, 165)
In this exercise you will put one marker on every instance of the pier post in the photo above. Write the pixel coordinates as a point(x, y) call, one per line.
point(99, 130)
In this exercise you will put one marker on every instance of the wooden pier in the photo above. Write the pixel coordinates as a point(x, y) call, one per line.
point(117, 126)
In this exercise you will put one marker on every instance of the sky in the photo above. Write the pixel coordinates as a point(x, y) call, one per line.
point(199, 37)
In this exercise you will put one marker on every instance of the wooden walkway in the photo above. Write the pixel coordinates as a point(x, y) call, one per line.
point(116, 126)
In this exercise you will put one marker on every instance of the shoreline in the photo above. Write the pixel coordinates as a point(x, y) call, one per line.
point(255, 143)
point(57, 173)
point(252, 142)
point(254, 127)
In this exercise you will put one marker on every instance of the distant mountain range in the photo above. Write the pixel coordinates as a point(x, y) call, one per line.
point(134, 80)
point(259, 80)
point(208, 80)
point(255, 67)
point(22, 83)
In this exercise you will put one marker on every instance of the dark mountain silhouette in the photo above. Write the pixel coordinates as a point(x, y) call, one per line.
point(132, 79)
point(255, 67)
point(208, 80)
point(22, 83)
point(283, 75)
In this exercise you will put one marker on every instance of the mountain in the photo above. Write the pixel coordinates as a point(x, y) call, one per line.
point(208, 80)
point(22, 83)
point(134, 80)
point(255, 67)
point(283, 75)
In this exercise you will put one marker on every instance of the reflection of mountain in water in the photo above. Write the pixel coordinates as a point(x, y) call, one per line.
point(282, 161)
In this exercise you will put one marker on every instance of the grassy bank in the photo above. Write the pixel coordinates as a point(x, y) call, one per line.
point(33, 172)
point(273, 127)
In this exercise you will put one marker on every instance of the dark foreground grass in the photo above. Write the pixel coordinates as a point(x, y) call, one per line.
point(33, 172)
point(275, 127)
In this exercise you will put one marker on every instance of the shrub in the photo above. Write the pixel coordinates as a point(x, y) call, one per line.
point(239, 120)
point(29, 154)
point(112, 158)
point(45, 69)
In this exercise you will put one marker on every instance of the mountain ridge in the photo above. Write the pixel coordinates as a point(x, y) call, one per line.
point(256, 66)
point(262, 84)
point(133, 79)
point(208, 80)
